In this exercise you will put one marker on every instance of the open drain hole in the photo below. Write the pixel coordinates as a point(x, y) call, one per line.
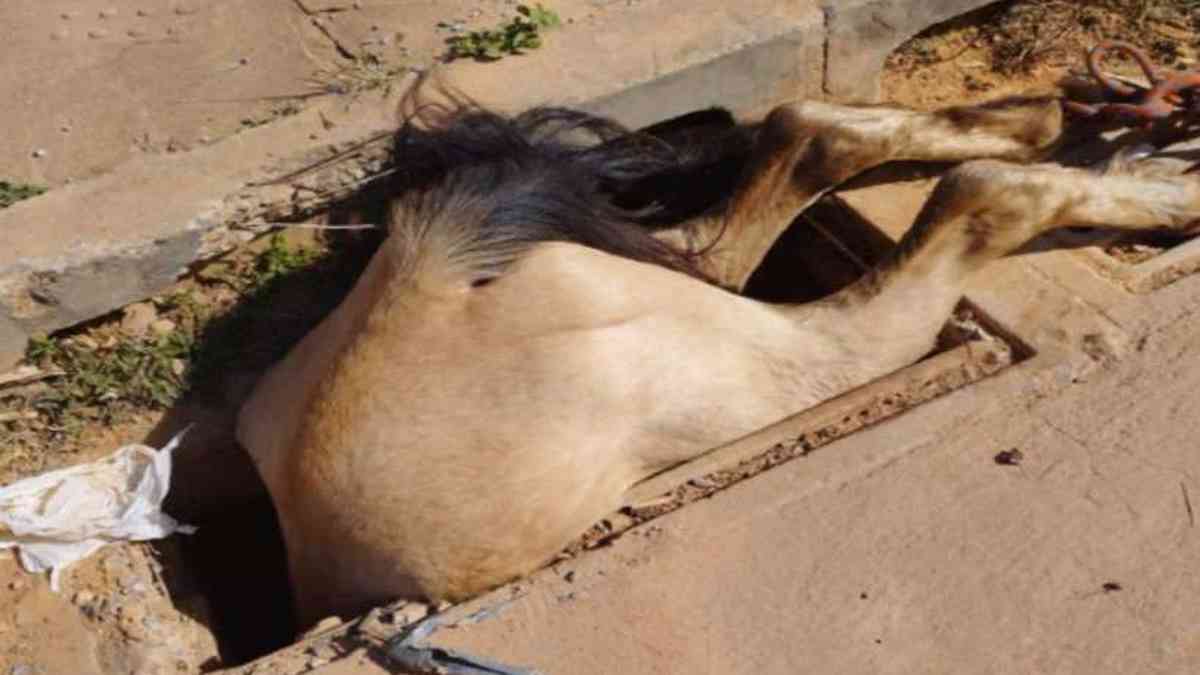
point(826, 248)
point(238, 564)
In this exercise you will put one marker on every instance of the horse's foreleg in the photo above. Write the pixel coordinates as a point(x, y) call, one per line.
point(803, 150)
point(981, 211)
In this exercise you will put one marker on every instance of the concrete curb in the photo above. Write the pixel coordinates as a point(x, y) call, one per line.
point(87, 249)
point(860, 35)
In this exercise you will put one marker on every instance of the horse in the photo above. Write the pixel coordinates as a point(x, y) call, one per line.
point(557, 314)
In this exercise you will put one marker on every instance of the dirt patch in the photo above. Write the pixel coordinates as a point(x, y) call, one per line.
point(127, 609)
point(1025, 47)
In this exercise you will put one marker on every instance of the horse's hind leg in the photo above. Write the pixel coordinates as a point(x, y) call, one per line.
point(983, 210)
point(803, 150)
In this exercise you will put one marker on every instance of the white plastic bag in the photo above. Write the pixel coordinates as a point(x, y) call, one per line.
point(63, 516)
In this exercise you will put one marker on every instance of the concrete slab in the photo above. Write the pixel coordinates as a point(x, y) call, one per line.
point(861, 34)
point(96, 85)
point(154, 215)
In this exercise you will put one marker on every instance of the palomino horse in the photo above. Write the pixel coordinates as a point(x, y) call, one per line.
point(533, 338)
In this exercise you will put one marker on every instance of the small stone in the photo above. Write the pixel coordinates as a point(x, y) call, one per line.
point(136, 33)
point(131, 619)
point(67, 16)
point(66, 128)
point(108, 12)
point(16, 585)
point(97, 33)
point(1011, 457)
point(323, 626)
point(243, 61)
point(217, 272)
point(22, 669)
point(162, 327)
point(145, 12)
point(137, 318)
point(410, 613)
point(178, 367)
point(60, 34)
point(39, 153)
point(84, 598)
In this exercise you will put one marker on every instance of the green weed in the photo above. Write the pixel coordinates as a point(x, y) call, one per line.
point(11, 193)
point(279, 259)
point(102, 375)
point(364, 73)
point(98, 382)
point(523, 32)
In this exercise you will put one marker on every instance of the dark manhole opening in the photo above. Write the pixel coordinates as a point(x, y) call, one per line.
point(232, 573)
point(827, 248)
point(238, 562)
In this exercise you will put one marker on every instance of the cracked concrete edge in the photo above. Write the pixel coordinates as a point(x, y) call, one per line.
point(153, 218)
point(860, 34)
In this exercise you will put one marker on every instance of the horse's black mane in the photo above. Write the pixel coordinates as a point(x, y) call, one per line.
point(557, 174)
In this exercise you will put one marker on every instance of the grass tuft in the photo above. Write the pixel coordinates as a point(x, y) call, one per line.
point(521, 33)
point(11, 193)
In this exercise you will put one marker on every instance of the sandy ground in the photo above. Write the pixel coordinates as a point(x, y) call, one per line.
point(92, 84)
